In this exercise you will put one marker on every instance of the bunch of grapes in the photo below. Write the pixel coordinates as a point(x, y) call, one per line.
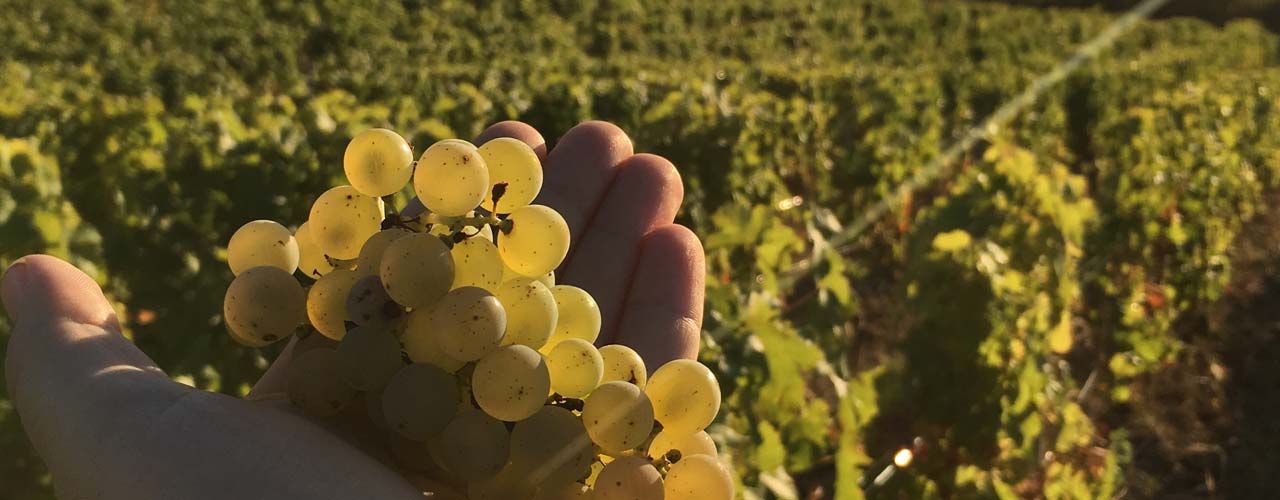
point(447, 322)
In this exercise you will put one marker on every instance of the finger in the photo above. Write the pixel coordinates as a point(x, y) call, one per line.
point(662, 319)
point(645, 194)
point(578, 172)
point(516, 130)
point(76, 381)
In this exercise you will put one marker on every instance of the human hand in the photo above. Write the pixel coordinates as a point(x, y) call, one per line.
point(110, 424)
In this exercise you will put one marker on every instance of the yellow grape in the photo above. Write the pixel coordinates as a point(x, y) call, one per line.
point(378, 162)
point(473, 446)
point(469, 322)
point(537, 243)
point(419, 401)
point(618, 416)
point(314, 384)
point(628, 478)
point(262, 243)
point(264, 304)
point(422, 342)
point(548, 279)
point(698, 443)
point(311, 260)
point(698, 477)
point(476, 263)
point(417, 270)
point(369, 357)
point(511, 383)
point(451, 178)
point(685, 395)
point(327, 302)
point(246, 341)
point(551, 448)
point(342, 219)
point(575, 367)
point(513, 163)
point(622, 363)
point(531, 312)
point(370, 259)
point(578, 317)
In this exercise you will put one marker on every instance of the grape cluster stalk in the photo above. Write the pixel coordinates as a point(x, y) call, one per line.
point(450, 327)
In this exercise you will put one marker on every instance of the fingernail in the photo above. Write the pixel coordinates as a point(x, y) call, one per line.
point(13, 287)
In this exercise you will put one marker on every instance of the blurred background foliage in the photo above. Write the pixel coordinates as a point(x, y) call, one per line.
point(1083, 307)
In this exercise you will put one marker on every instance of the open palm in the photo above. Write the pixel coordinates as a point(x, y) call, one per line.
point(110, 424)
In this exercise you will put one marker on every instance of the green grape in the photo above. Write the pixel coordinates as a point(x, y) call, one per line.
point(311, 260)
point(262, 243)
point(698, 443)
point(513, 163)
point(370, 259)
point(686, 396)
point(537, 243)
point(369, 305)
point(622, 363)
point(422, 343)
point(342, 219)
point(468, 323)
point(419, 401)
point(548, 279)
point(445, 227)
point(378, 162)
point(511, 383)
point(417, 270)
point(578, 318)
point(628, 478)
point(698, 477)
point(264, 304)
point(476, 263)
point(473, 446)
point(575, 367)
point(551, 448)
point(531, 312)
point(314, 384)
point(618, 416)
point(369, 357)
point(327, 302)
point(451, 178)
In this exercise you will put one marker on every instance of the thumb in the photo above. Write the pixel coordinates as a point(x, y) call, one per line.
point(68, 368)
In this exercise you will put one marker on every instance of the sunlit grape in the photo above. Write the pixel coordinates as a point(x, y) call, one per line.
point(378, 162)
point(537, 242)
point(262, 243)
point(264, 303)
point(451, 178)
point(342, 219)
point(514, 171)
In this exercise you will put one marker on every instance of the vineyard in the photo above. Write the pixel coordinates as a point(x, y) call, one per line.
point(1066, 312)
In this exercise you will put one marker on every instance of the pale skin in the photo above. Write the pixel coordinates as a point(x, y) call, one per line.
point(111, 425)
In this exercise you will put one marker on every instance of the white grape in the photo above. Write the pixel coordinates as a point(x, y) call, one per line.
point(698, 477)
point(476, 263)
point(422, 342)
point(515, 167)
point(537, 242)
point(342, 219)
point(327, 302)
point(262, 243)
point(417, 270)
point(370, 259)
point(685, 395)
point(311, 259)
point(451, 178)
point(265, 304)
point(623, 363)
point(628, 478)
point(419, 401)
point(469, 323)
point(618, 416)
point(511, 383)
point(378, 162)
point(531, 312)
point(578, 315)
point(575, 367)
